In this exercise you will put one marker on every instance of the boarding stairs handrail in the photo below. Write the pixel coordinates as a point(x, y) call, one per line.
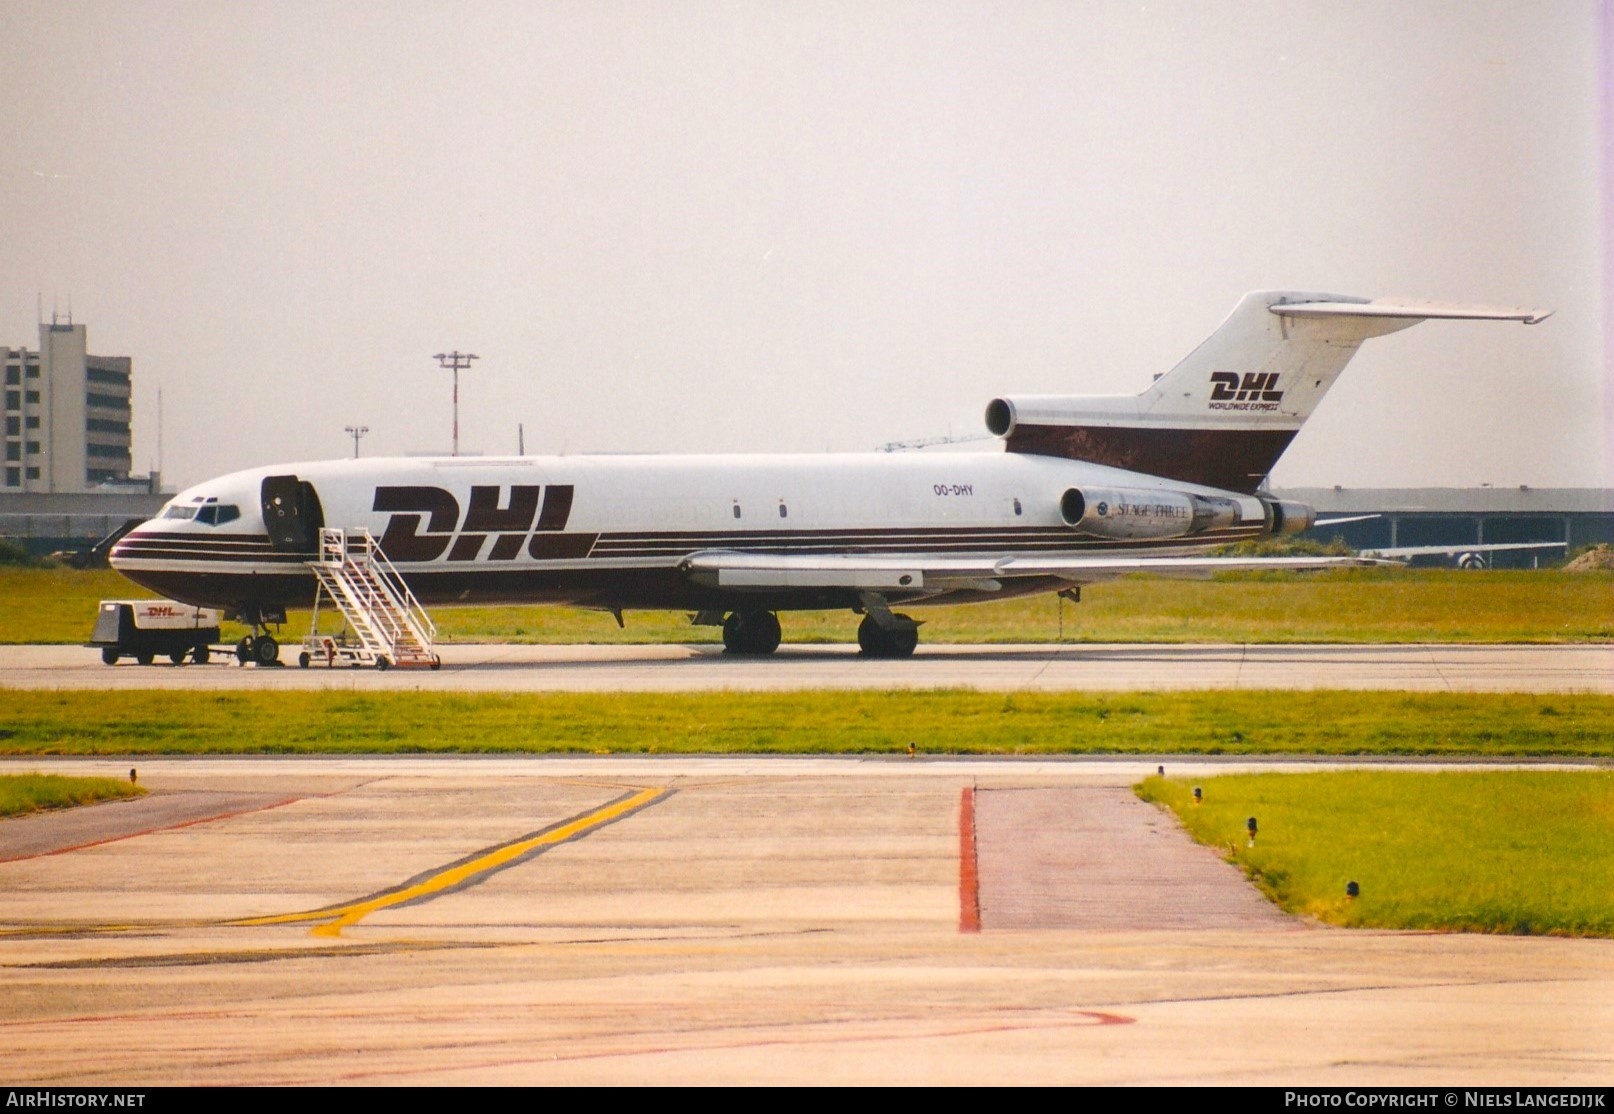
point(390, 623)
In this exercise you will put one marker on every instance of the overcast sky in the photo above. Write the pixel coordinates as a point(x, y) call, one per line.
point(802, 225)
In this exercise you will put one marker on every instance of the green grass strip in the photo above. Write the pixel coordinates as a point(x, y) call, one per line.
point(860, 722)
point(1348, 606)
point(1517, 851)
point(24, 793)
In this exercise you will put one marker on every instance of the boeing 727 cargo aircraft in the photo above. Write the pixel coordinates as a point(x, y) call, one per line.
point(1085, 488)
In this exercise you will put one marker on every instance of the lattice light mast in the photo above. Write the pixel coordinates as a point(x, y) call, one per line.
point(355, 432)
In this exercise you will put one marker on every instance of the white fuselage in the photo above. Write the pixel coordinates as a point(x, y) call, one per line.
point(612, 531)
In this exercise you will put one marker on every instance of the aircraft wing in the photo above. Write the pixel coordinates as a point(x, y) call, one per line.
point(918, 572)
point(1404, 551)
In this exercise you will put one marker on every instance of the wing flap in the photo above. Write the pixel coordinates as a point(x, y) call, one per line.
point(915, 572)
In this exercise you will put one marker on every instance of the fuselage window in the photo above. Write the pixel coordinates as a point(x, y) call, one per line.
point(1017, 508)
point(784, 511)
point(736, 510)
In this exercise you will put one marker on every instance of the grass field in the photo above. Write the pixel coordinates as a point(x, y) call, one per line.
point(24, 793)
point(1366, 605)
point(1516, 851)
point(941, 722)
point(1488, 854)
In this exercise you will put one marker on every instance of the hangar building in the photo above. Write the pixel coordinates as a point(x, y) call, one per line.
point(1458, 516)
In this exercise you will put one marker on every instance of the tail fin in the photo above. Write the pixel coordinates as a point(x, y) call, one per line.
point(1225, 414)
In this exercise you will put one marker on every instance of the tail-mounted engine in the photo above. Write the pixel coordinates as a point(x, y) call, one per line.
point(1288, 518)
point(1125, 513)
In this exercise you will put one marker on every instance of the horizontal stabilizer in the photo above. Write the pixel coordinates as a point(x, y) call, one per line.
point(1420, 311)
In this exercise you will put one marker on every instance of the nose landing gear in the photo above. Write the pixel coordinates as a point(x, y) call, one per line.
point(259, 647)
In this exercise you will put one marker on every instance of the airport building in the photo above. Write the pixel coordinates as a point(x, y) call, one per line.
point(65, 478)
point(1458, 516)
point(66, 414)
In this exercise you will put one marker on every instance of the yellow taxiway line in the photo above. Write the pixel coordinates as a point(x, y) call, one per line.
point(338, 917)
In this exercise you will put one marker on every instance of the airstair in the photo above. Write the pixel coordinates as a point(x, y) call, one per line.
point(384, 625)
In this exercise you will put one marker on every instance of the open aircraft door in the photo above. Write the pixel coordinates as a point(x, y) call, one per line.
point(292, 514)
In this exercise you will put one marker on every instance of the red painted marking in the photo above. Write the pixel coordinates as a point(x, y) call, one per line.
point(1109, 1018)
point(969, 890)
point(151, 831)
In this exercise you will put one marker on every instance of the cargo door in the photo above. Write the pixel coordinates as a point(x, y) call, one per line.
point(291, 513)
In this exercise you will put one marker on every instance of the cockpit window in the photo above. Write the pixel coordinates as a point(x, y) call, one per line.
point(218, 515)
point(180, 512)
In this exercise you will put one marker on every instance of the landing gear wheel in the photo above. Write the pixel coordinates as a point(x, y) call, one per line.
point(109, 656)
point(243, 650)
point(762, 632)
point(145, 657)
point(303, 659)
point(265, 650)
point(200, 655)
point(177, 657)
point(751, 632)
point(877, 642)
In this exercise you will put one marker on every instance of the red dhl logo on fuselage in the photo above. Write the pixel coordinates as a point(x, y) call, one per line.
point(522, 520)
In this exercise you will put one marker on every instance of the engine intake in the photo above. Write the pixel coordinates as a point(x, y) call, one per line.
point(1000, 417)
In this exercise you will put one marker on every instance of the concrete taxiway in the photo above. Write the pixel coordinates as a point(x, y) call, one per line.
point(685, 920)
point(666, 668)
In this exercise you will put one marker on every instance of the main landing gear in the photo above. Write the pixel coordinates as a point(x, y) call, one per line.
point(882, 634)
point(895, 641)
point(751, 632)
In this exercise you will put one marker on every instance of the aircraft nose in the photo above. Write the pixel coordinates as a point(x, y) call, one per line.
point(126, 541)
